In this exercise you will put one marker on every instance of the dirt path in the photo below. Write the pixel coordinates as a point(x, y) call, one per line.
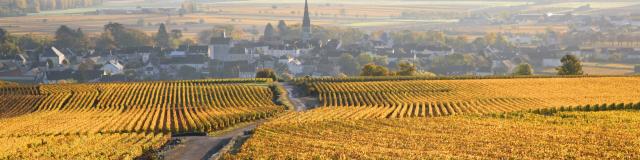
point(203, 147)
point(296, 98)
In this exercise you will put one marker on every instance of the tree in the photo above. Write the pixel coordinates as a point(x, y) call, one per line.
point(162, 37)
point(269, 32)
point(381, 60)
point(524, 69)
point(3, 35)
point(72, 39)
point(267, 73)
point(570, 66)
point(365, 58)
point(374, 70)
point(348, 64)
point(283, 29)
point(87, 65)
point(106, 41)
point(406, 69)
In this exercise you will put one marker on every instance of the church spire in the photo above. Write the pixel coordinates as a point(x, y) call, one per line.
point(306, 24)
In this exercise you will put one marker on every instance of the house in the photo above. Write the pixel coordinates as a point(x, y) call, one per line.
point(220, 48)
point(185, 50)
point(54, 57)
point(199, 62)
point(282, 50)
point(113, 67)
point(150, 70)
point(130, 54)
point(294, 66)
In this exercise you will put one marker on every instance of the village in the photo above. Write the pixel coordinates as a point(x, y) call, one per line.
point(314, 52)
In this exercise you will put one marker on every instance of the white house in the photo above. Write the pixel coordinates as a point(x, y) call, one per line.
point(113, 68)
point(295, 66)
point(54, 56)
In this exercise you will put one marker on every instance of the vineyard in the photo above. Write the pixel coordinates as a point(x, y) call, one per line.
point(457, 118)
point(433, 98)
point(580, 117)
point(567, 135)
point(141, 114)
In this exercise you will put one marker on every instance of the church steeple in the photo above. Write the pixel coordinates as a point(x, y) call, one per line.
point(306, 24)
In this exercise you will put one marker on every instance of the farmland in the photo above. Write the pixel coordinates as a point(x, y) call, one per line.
point(435, 98)
point(132, 118)
point(254, 14)
point(383, 118)
point(460, 117)
point(571, 135)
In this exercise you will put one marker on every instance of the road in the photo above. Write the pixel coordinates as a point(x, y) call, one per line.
point(203, 147)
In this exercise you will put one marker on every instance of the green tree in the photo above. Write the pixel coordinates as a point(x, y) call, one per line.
point(406, 69)
point(162, 37)
point(348, 64)
point(68, 38)
point(267, 73)
point(87, 65)
point(106, 41)
point(365, 58)
point(524, 69)
point(283, 29)
point(269, 32)
point(381, 60)
point(3, 35)
point(374, 70)
point(570, 66)
point(124, 37)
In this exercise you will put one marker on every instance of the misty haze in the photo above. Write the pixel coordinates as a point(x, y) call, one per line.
point(319, 79)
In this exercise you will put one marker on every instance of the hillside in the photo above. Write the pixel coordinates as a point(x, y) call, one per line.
point(572, 135)
point(54, 121)
point(457, 118)
point(356, 118)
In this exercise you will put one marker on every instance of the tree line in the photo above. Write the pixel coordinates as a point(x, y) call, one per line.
point(114, 36)
point(21, 7)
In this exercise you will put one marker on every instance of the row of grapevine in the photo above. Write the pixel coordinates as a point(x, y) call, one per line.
point(585, 135)
point(588, 108)
point(303, 80)
point(432, 98)
point(92, 146)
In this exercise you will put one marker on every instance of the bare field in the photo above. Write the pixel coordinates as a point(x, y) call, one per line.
point(367, 15)
point(599, 70)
